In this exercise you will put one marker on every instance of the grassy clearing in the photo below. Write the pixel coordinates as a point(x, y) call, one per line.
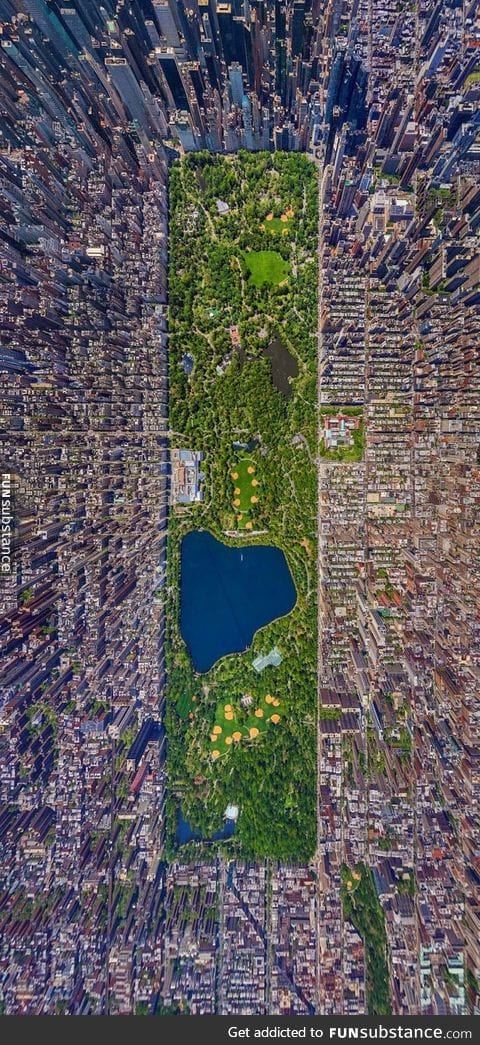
point(246, 491)
point(235, 724)
point(185, 704)
point(278, 225)
point(266, 266)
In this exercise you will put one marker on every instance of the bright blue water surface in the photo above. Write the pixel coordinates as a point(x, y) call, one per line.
point(227, 594)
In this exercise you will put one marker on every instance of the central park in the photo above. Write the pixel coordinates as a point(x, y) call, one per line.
point(241, 645)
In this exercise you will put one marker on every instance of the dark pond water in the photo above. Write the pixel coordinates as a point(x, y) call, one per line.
point(227, 594)
point(186, 833)
point(284, 366)
point(248, 447)
point(187, 363)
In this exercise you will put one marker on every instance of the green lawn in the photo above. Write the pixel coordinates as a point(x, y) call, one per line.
point(184, 704)
point(278, 226)
point(245, 486)
point(235, 725)
point(266, 266)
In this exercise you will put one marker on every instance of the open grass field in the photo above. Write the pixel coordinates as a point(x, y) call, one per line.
point(235, 724)
point(246, 491)
point(266, 266)
point(185, 704)
point(279, 226)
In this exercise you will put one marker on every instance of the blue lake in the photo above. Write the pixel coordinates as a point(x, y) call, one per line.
point(227, 594)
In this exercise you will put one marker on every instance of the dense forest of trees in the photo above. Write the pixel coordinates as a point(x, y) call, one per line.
point(362, 907)
point(230, 396)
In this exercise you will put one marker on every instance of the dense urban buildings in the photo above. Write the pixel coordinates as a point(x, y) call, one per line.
point(98, 915)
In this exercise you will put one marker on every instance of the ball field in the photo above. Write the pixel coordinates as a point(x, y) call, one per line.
point(246, 491)
point(235, 724)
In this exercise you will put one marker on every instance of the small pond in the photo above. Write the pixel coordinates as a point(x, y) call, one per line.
point(284, 366)
point(186, 833)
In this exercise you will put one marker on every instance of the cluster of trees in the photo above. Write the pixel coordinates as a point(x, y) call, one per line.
point(362, 907)
point(273, 779)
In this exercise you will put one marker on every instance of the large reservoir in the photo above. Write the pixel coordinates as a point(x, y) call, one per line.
point(227, 594)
